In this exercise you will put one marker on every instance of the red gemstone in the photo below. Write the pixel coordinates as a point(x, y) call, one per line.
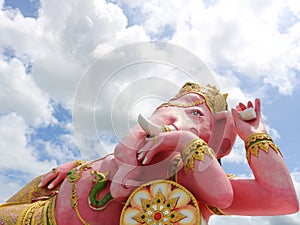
point(157, 216)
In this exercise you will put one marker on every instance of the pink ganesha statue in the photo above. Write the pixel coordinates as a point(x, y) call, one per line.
point(165, 171)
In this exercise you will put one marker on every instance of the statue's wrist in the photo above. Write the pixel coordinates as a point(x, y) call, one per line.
point(257, 141)
point(257, 137)
point(246, 134)
point(195, 150)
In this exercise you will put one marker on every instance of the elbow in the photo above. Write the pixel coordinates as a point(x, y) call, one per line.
point(220, 199)
point(293, 202)
point(294, 206)
point(224, 200)
point(295, 209)
point(222, 193)
point(288, 202)
point(217, 194)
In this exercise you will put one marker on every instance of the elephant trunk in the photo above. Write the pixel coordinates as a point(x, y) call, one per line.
point(124, 181)
point(153, 129)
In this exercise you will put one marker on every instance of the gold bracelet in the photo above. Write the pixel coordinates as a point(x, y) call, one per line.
point(255, 138)
point(259, 141)
point(195, 150)
point(165, 128)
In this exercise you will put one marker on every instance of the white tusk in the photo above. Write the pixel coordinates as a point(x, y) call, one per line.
point(153, 129)
point(150, 128)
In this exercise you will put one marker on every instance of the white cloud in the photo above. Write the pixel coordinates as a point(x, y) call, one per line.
point(84, 31)
point(237, 155)
point(243, 37)
point(19, 94)
point(8, 187)
point(293, 6)
point(15, 153)
point(62, 49)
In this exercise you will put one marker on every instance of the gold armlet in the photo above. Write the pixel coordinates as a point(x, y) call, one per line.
point(78, 163)
point(195, 150)
point(259, 141)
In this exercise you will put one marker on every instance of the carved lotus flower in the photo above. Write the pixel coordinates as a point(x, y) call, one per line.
point(161, 203)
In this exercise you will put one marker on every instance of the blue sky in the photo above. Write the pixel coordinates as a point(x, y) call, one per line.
point(252, 48)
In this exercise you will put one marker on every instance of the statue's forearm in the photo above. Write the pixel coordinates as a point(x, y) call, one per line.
point(271, 173)
point(205, 175)
point(272, 191)
point(267, 163)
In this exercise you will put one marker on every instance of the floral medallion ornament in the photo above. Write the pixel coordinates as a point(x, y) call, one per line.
point(161, 202)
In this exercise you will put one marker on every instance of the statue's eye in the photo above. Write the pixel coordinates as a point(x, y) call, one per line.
point(197, 113)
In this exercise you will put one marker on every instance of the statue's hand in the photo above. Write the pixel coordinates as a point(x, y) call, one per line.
point(56, 175)
point(245, 128)
point(167, 141)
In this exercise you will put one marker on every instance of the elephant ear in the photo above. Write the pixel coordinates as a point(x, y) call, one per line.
point(223, 134)
point(228, 138)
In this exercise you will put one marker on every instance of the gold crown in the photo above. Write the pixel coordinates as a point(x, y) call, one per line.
point(214, 99)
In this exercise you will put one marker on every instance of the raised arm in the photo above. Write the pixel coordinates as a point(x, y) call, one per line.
point(272, 191)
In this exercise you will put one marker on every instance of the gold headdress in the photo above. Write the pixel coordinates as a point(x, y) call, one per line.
point(213, 98)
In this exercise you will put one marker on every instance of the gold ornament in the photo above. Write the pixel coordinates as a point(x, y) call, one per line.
point(195, 150)
point(213, 98)
point(78, 163)
point(74, 177)
point(259, 141)
point(39, 212)
point(215, 211)
point(165, 128)
point(161, 202)
point(54, 170)
point(179, 104)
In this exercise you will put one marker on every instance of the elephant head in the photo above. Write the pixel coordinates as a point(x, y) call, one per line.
point(199, 110)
